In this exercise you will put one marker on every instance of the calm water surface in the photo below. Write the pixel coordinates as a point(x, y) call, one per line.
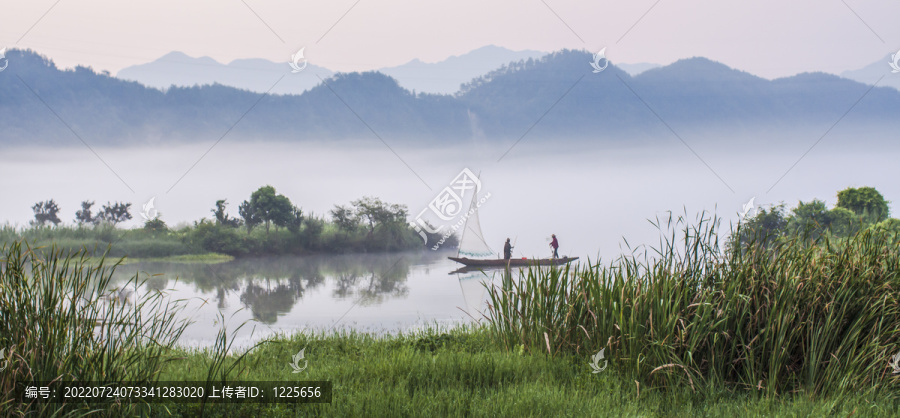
point(383, 293)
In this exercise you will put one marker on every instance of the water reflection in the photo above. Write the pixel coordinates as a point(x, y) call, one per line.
point(271, 287)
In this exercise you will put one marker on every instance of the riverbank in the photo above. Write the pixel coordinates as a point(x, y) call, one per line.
point(206, 241)
point(207, 258)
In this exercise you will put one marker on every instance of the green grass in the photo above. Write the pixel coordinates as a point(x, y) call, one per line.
point(463, 372)
point(209, 258)
point(103, 239)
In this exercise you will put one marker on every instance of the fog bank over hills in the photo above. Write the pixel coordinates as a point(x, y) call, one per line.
point(556, 97)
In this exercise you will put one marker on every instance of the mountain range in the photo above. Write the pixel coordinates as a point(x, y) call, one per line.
point(556, 96)
point(258, 75)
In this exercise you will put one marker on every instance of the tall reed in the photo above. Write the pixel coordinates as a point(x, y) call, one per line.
point(818, 317)
point(59, 321)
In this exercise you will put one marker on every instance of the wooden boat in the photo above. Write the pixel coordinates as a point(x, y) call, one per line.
point(513, 262)
point(472, 244)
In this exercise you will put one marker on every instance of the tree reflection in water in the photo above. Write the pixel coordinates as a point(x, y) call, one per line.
point(270, 287)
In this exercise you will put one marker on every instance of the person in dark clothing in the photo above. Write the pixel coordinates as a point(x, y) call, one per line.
point(507, 250)
point(555, 245)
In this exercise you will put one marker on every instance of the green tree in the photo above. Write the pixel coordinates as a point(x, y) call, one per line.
point(864, 201)
point(84, 216)
point(44, 212)
point(312, 230)
point(156, 225)
point(843, 222)
point(222, 218)
point(763, 228)
point(344, 218)
point(271, 207)
point(809, 219)
point(284, 214)
point(891, 226)
point(373, 212)
point(389, 220)
point(295, 220)
point(115, 213)
point(248, 214)
point(814, 219)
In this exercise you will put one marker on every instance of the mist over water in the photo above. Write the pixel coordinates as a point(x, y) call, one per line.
point(589, 195)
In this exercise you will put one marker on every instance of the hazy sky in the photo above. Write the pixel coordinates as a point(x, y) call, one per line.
point(770, 38)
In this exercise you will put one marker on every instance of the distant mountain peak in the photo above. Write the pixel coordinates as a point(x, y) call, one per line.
point(446, 76)
point(878, 70)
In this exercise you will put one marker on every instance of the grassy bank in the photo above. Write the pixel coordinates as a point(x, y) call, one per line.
point(208, 258)
point(465, 373)
point(205, 239)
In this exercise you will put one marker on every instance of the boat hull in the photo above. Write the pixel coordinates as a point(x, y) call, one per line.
point(513, 262)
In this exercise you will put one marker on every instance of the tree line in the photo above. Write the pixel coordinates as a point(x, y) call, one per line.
point(47, 212)
point(266, 223)
point(856, 210)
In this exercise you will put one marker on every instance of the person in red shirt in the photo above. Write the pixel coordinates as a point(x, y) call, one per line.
point(555, 245)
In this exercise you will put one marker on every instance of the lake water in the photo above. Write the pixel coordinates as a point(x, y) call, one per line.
point(381, 294)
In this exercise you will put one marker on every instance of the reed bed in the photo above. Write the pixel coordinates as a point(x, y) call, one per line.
point(790, 316)
point(61, 320)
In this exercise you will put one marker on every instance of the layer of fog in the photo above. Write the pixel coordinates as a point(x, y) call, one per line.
point(590, 196)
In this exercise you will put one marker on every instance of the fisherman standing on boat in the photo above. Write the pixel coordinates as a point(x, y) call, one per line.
point(555, 245)
point(507, 250)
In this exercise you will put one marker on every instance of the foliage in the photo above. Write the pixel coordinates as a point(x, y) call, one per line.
point(215, 238)
point(274, 208)
point(344, 218)
point(223, 218)
point(386, 229)
point(312, 231)
point(84, 216)
point(388, 220)
point(857, 210)
point(249, 216)
point(115, 213)
point(45, 212)
point(864, 201)
point(156, 225)
point(765, 227)
point(809, 219)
